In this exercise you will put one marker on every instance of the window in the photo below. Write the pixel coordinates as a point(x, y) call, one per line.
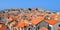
point(59, 25)
point(0, 18)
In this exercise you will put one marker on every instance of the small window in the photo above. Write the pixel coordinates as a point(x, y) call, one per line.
point(0, 18)
point(29, 9)
point(8, 10)
point(59, 25)
point(3, 11)
point(36, 8)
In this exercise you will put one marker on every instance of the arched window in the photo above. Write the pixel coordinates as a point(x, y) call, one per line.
point(50, 27)
point(30, 28)
point(38, 27)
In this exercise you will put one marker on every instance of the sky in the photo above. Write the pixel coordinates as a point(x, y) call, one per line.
point(51, 5)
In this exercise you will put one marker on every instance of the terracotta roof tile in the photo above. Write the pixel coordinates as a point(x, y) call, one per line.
point(52, 22)
point(36, 20)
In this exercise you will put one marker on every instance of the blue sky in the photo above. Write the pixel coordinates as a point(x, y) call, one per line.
point(52, 5)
